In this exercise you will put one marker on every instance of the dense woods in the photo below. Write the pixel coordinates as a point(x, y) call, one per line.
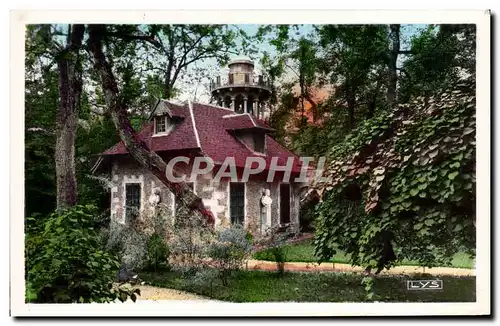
point(397, 128)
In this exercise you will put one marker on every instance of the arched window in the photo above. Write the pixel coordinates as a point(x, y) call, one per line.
point(250, 105)
point(238, 104)
point(227, 102)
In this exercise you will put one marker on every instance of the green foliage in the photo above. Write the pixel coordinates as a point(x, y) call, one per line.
point(355, 59)
point(158, 252)
point(274, 242)
point(441, 54)
point(68, 264)
point(228, 253)
point(142, 244)
point(249, 237)
point(404, 178)
point(41, 99)
point(259, 286)
point(304, 252)
point(368, 282)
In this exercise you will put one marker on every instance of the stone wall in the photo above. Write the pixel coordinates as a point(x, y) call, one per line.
point(215, 195)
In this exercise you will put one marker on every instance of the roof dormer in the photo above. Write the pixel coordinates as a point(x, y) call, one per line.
point(165, 116)
point(248, 130)
point(162, 125)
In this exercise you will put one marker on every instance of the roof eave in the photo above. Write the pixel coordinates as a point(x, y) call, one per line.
point(251, 129)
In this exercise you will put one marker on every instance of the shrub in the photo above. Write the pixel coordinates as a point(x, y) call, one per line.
point(249, 237)
point(274, 240)
point(188, 241)
point(205, 276)
point(158, 252)
point(279, 255)
point(69, 264)
point(141, 244)
point(229, 251)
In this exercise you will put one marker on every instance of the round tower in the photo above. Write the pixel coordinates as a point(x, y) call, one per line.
point(242, 90)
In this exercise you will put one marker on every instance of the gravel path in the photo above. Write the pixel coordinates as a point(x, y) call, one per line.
point(153, 293)
point(338, 267)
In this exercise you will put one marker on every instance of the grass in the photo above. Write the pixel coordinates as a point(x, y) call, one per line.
point(259, 286)
point(304, 252)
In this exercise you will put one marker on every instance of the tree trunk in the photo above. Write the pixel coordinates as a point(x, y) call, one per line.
point(70, 88)
point(302, 93)
point(351, 104)
point(314, 106)
point(137, 149)
point(372, 105)
point(392, 65)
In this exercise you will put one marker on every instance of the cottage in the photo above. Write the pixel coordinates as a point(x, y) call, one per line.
point(236, 190)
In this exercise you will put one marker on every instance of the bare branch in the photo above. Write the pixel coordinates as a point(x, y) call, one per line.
point(131, 37)
point(41, 130)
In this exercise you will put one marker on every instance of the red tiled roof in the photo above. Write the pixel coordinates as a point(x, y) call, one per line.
point(238, 121)
point(243, 121)
point(210, 136)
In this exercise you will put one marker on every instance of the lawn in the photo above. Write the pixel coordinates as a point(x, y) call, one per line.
point(304, 252)
point(259, 286)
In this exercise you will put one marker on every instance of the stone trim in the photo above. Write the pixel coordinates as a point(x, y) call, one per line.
point(194, 124)
point(245, 201)
point(128, 180)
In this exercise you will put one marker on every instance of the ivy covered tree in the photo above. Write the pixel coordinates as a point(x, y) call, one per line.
point(402, 185)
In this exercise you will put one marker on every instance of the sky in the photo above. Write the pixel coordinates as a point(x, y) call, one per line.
point(200, 91)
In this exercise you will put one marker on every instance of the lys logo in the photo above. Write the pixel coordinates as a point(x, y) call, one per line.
point(424, 285)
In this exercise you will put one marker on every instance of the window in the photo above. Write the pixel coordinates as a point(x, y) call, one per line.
point(247, 78)
point(178, 209)
point(237, 202)
point(161, 124)
point(284, 203)
point(132, 201)
point(259, 143)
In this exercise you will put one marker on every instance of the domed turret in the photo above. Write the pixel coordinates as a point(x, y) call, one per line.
point(242, 89)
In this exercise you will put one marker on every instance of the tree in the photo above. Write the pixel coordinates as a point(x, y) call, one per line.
point(47, 38)
point(41, 96)
point(392, 81)
point(441, 54)
point(305, 54)
point(351, 54)
point(70, 88)
point(405, 178)
point(118, 112)
point(170, 49)
point(296, 55)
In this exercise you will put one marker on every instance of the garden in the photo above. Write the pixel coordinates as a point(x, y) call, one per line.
point(304, 252)
point(398, 137)
point(112, 263)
